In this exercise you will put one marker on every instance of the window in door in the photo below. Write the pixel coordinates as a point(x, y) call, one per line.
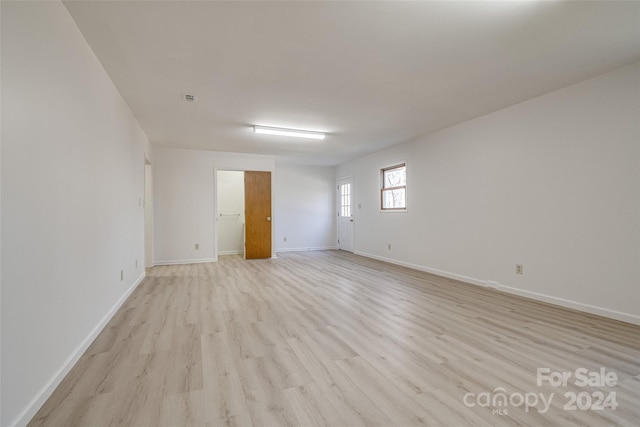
point(345, 199)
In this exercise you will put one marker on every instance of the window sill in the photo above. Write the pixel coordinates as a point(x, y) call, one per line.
point(393, 210)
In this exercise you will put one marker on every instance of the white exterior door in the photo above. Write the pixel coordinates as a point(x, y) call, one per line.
point(345, 214)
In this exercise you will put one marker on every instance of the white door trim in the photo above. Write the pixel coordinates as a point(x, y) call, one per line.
point(346, 224)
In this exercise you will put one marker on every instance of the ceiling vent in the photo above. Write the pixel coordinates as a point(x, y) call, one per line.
point(190, 98)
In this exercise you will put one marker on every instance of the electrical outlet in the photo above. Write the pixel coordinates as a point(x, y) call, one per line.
point(197, 246)
point(121, 275)
point(285, 239)
point(136, 263)
point(389, 247)
point(519, 269)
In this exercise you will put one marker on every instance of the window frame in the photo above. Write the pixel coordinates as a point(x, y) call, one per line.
point(341, 197)
point(383, 188)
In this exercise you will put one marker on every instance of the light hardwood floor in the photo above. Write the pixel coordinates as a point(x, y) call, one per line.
point(330, 338)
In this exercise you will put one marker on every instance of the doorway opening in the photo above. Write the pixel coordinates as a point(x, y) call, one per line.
point(230, 215)
point(243, 214)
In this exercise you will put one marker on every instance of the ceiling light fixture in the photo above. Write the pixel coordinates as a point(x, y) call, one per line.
point(288, 132)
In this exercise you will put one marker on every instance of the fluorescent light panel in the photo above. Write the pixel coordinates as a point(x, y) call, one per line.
point(288, 132)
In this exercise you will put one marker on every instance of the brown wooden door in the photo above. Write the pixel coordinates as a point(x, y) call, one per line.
point(257, 215)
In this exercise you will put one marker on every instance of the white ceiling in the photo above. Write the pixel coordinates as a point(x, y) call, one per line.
point(371, 74)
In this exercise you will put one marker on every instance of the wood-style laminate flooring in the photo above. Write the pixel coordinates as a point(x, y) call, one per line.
point(331, 338)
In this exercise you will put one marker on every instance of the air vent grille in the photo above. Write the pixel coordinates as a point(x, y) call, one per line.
point(190, 98)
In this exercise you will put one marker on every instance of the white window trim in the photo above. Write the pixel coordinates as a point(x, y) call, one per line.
point(381, 183)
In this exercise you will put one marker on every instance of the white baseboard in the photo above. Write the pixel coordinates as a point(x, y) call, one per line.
point(240, 252)
point(427, 269)
point(600, 311)
point(318, 248)
point(45, 392)
point(587, 308)
point(183, 261)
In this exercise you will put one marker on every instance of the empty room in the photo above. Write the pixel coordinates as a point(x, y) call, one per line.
point(319, 213)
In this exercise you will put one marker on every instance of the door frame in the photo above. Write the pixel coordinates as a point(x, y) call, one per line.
point(353, 210)
point(215, 205)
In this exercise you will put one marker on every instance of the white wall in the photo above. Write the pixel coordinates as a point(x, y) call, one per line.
point(230, 217)
point(184, 196)
point(303, 203)
point(552, 183)
point(72, 182)
point(305, 209)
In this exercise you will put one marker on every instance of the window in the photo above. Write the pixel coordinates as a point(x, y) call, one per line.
point(393, 194)
point(345, 199)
